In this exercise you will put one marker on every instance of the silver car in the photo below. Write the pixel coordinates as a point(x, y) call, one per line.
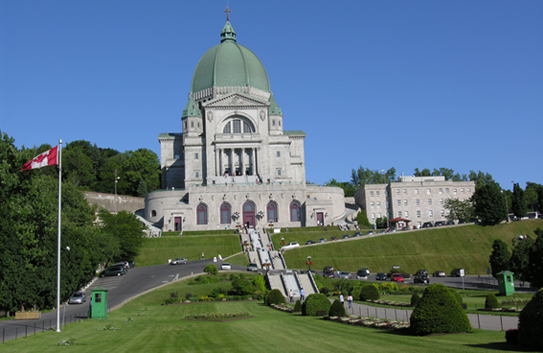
point(179, 261)
point(77, 298)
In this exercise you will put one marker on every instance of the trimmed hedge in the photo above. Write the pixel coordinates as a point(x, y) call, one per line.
point(530, 324)
point(337, 309)
point(415, 298)
point(315, 302)
point(491, 301)
point(438, 312)
point(298, 305)
point(369, 293)
point(274, 297)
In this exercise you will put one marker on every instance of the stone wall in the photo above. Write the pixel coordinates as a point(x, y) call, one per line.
point(107, 201)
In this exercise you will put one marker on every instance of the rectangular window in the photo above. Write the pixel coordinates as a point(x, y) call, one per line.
point(377, 193)
point(405, 202)
point(273, 122)
point(469, 190)
point(416, 191)
point(462, 191)
point(278, 154)
point(440, 191)
point(442, 213)
point(279, 172)
point(237, 126)
point(427, 191)
point(373, 216)
point(418, 213)
point(371, 193)
point(192, 124)
point(379, 215)
point(399, 202)
point(454, 191)
point(417, 202)
point(372, 204)
point(197, 174)
point(397, 191)
point(429, 202)
point(196, 156)
point(400, 214)
point(446, 190)
point(378, 204)
point(406, 214)
point(405, 191)
point(430, 213)
point(441, 201)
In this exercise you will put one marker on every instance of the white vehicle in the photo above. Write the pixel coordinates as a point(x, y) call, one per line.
point(290, 246)
point(179, 261)
point(226, 266)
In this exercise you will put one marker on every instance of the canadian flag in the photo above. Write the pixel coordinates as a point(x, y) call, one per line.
point(43, 160)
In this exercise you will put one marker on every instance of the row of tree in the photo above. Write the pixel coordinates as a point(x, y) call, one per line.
point(92, 168)
point(525, 261)
point(28, 233)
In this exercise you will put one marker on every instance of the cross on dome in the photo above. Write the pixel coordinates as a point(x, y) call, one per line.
point(227, 11)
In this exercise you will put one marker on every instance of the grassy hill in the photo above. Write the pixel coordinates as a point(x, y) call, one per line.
point(467, 246)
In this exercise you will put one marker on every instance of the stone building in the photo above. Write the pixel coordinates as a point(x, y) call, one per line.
point(233, 164)
point(419, 199)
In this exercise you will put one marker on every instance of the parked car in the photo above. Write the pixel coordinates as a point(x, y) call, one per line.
point(381, 276)
point(427, 225)
point(345, 274)
point(346, 236)
point(421, 278)
point(226, 266)
point(77, 298)
point(439, 274)
point(113, 271)
point(309, 242)
point(421, 272)
point(449, 223)
point(290, 246)
point(457, 272)
point(179, 261)
point(124, 264)
point(382, 232)
point(396, 277)
point(357, 234)
point(333, 238)
point(328, 271)
point(362, 273)
point(370, 232)
point(322, 240)
point(391, 230)
point(439, 224)
point(462, 221)
point(252, 267)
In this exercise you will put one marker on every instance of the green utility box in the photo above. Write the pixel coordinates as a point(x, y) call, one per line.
point(98, 303)
point(506, 283)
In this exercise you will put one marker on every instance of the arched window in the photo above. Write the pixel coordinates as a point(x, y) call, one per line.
point(201, 214)
point(294, 211)
point(237, 125)
point(153, 213)
point(272, 212)
point(225, 214)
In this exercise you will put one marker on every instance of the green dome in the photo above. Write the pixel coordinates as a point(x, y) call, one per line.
point(229, 64)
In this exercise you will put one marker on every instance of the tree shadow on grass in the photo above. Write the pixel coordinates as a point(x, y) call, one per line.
point(501, 346)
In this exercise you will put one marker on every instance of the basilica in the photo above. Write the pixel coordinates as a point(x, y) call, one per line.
point(233, 165)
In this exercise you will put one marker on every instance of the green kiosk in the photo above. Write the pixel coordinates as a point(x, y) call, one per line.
point(98, 303)
point(506, 282)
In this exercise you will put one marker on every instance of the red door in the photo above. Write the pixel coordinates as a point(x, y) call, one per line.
point(178, 225)
point(249, 214)
point(320, 219)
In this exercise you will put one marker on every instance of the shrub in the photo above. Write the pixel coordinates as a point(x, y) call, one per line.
point(511, 336)
point(188, 295)
point(388, 287)
point(298, 305)
point(260, 283)
point(315, 302)
point(491, 301)
point(415, 298)
point(211, 269)
point(438, 312)
point(275, 297)
point(456, 296)
point(337, 309)
point(241, 287)
point(356, 293)
point(324, 290)
point(369, 293)
point(531, 323)
point(217, 291)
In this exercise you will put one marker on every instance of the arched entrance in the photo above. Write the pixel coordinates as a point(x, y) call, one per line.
point(249, 214)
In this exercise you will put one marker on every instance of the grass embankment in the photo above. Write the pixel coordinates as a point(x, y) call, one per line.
point(157, 251)
point(144, 325)
point(468, 247)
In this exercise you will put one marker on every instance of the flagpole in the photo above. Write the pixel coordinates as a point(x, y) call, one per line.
point(58, 240)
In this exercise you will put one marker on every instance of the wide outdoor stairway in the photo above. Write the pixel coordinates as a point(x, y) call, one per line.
point(277, 260)
point(253, 257)
point(277, 283)
point(295, 281)
point(308, 284)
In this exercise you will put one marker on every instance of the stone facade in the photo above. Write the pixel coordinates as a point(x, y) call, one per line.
point(419, 199)
point(233, 164)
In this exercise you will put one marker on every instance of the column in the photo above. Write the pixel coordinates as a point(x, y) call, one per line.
point(241, 164)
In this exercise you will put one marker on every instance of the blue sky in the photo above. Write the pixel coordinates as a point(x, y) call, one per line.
point(378, 84)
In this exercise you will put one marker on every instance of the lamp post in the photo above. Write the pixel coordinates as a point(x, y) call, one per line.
point(116, 180)
point(309, 262)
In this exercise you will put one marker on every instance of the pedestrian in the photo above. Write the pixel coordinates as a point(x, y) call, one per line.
point(202, 255)
point(291, 295)
point(341, 299)
point(350, 300)
point(302, 295)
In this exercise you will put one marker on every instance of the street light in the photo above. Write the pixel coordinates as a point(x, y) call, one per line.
point(309, 263)
point(116, 180)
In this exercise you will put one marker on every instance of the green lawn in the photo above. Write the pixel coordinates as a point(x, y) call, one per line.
point(157, 251)
point(434, 249)
point(146, 326)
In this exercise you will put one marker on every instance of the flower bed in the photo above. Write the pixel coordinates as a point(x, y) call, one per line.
point(216, 316)
point(369, 322)
point(390, 302)
point(502, 310)
point(283, 307)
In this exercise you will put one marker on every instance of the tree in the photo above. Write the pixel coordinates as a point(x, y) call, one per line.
point(518, 204)
point(480, 178)
point(530, 323)
point(531, 194)
point(499, 259)
point(126, 229)
point(519, 261)
point(535, 260)
point(459, 209)
point(489, 203)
